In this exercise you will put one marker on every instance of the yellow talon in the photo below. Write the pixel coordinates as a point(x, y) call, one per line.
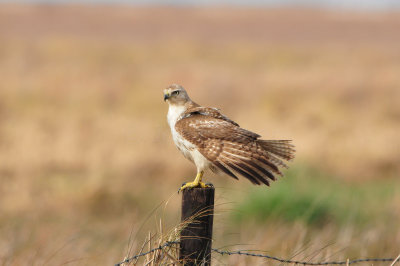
point(196, 183)
point(192, 185)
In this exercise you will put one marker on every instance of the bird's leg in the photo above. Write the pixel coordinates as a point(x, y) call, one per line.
point(196, 183)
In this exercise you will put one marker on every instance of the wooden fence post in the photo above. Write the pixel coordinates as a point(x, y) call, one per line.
point(197, 217)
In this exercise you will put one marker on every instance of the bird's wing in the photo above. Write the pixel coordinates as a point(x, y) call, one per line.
point(230, 148)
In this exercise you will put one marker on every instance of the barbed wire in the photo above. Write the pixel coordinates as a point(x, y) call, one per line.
point(245, 253)
point(166, 244)
point(239, 252)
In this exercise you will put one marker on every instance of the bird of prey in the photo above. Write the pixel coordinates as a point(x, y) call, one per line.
point(212, 141)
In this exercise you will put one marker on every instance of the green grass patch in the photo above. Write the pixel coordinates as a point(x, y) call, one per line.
point(316, 199)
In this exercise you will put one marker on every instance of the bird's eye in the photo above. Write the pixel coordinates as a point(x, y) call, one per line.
point(175, 92)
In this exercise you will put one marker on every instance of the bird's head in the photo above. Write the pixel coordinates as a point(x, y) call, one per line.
point(175, 94)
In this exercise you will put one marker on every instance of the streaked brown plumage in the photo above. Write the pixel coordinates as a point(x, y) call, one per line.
point(211, 140)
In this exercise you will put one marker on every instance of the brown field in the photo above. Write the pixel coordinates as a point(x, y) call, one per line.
point(86, 153)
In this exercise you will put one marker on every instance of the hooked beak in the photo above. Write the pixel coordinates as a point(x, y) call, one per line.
point(166, 97)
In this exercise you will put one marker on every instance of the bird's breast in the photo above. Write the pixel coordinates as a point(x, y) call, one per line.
point(184, 146)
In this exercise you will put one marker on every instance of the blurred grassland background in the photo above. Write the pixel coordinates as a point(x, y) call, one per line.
point(86, 154)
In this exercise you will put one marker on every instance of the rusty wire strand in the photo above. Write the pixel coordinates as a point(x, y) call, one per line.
point(166, 244)
point(245, 253)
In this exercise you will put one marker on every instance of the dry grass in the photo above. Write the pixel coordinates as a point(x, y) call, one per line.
point(85, 151)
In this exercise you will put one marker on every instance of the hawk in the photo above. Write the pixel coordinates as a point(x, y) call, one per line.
point(212, 141)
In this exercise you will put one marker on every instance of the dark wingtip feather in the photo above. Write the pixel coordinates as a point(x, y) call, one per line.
point(246, 167)
point(244, 173)
point(225, 170)
point(262, 170)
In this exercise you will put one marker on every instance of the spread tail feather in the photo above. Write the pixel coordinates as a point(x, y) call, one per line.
point(282, 148)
